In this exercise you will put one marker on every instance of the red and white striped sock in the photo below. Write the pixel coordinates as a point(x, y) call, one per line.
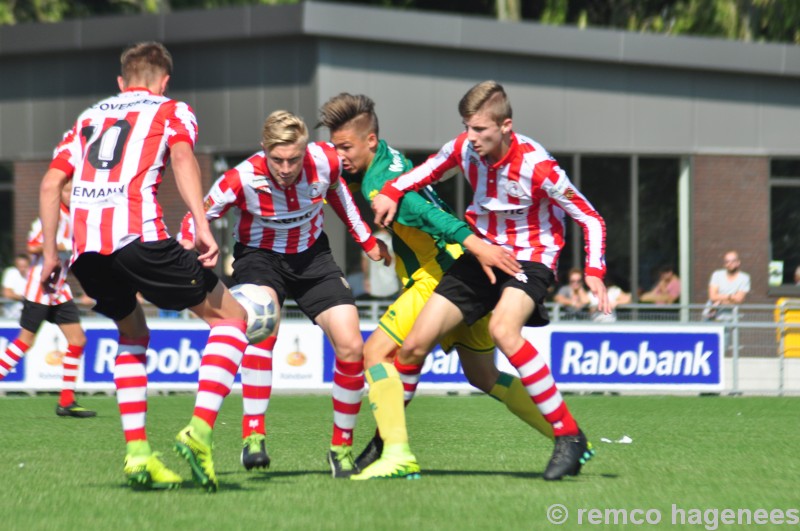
point(348, 388)
point(9, 359)
point(256, 385)
point(130, 377)
point(409, 375)
point(69, 365)
point(536, 377)
point(218, 367)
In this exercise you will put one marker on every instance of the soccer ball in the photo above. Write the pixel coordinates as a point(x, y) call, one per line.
point(262, 314)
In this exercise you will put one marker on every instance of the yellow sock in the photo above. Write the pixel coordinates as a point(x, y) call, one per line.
point(510, 391)
point(386, 400)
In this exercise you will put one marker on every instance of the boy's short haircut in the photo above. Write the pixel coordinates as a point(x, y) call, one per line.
point(345, 108)
point(283, 127)
point(145, 61)
point(488, 94)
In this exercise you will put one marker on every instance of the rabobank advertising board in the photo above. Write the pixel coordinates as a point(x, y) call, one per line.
point(635, 357)
point(581, 357)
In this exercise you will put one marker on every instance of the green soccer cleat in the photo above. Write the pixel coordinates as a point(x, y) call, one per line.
point(198, 455)
point(390, 468)
point(341, 460)
point(254, 451)
point(74, 410)
point(149, 473)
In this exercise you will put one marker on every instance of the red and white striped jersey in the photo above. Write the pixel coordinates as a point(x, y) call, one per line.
point(33, 286)
point(286, 220)
point(115, 154)
point(519, 202)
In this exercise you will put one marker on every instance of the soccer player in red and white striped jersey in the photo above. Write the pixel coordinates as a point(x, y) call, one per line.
point(115, 156)
point(278, 196)
point(56, 307)
point(520, 199)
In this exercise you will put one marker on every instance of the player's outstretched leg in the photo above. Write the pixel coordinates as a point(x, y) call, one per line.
point(9, 359)
point(386, 399)
point(569, 455)
point(218, 367)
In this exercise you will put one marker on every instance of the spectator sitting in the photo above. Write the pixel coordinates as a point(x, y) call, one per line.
point(573, 297)
point(14, 280)
point(616, 297)
point(667, 290)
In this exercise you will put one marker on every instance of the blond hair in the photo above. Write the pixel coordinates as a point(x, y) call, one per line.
point(283, 127)
point(145, 62)
point(346, 109)
point(488, 96)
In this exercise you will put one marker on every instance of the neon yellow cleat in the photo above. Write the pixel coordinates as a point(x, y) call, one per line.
point(340, 458)
point(149, 473)
point(198, 455)
point(390, 468)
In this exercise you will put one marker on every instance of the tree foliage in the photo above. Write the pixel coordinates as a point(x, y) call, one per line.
point(748, 20)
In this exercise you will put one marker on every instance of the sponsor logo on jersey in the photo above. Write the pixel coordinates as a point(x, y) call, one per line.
point(315, 190)
point(107, 106)
point(96, 191)
point(288, 221)
point(261, 185)
point(514, 189)
point(397, 161)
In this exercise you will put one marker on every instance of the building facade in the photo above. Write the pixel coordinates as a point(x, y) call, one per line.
point(689, 147)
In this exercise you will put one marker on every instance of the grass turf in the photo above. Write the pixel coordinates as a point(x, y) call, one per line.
point(481, 466)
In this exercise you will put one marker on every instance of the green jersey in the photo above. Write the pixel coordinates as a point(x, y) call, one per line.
point(426, 236)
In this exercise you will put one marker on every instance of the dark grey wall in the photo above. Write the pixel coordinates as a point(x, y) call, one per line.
point(574, 90)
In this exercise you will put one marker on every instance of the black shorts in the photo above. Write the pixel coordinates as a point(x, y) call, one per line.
point(467, 286)
point(164, 273)
point(34, 314)
point(311, 277)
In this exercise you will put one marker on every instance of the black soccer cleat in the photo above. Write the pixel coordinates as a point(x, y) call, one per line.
point(74, 410)
point(569, 455)
point(254, 452)
point(371, 453)
point(340, 459)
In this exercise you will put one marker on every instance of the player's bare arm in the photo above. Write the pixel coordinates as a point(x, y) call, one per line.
point(492, 256)
point(187, 177)
point(49, 212)
point(385, 209)
point(597, 287)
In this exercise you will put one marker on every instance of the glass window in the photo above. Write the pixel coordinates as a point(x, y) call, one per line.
point(658, 218)
point(6, 214)
point(785, 216)
point(605, 181)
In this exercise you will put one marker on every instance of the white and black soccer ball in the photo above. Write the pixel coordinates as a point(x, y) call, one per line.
point(262, 313)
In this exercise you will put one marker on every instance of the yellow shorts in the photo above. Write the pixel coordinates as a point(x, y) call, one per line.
point(401, 315)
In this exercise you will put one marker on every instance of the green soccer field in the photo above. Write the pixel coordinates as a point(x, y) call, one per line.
point(481, 466)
